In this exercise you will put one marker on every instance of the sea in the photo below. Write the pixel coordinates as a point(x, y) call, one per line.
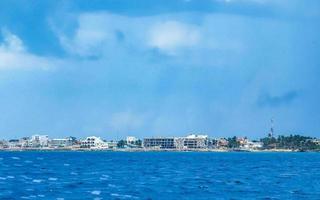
point(159, 175)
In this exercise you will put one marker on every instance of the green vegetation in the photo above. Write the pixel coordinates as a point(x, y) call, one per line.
point(233, 143)
point(123, 144)
point(138, 143)
point(296, 142)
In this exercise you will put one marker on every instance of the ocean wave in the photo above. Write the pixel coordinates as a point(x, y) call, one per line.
point(37, 180)
point(96, 192)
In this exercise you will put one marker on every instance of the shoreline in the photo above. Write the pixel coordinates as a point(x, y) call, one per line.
point(157, 150)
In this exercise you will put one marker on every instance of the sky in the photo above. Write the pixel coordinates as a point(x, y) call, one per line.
point(159, 68)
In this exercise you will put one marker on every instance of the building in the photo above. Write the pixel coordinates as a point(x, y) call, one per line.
point(159, 143)
point(192, 142)
point(111, 145)
point(93, 142)
point(131, 140)
point(222, 143)
point(3, 144)
point(14, 144)
point(39, 141)
point(316, 141)
point(252, 145)
point(25, 142)
point(62, 143)
point(242, 140)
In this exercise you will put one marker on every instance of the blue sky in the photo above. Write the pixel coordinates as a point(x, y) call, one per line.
point(159, 68)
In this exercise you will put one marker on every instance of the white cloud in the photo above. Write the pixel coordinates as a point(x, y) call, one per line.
point(206, 40)
point(13, 54)
point(169, 36)
point(11, 42)
point(96, 33)
point(89, 38)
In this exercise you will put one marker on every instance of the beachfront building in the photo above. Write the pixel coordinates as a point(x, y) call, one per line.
point(242, 140)
point(25, 142)
point(63, 143)
point(3, 144)
point(14, 144)
point(131, 140)
point(93, 142)
point(159, 143)
point(222, 143)
point(192, 141)
point(316, 141)
point(111, 144)
point(37, 141)
point(250, 145)
point(181, 143)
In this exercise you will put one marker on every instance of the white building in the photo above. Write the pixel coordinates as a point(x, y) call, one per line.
point(39, 141)
point(65, 142)
point(252, 145)
point(3, 144)
point(25, 142)
point(93, 142)
point(131, 140)
point(192, 141)
point(111, 145)
point(14, 144)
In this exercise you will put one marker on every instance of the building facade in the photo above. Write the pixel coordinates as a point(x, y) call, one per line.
point(131, 139)
point(160, 143)
point(190, 142)
point(65, 142)
point(93, 142)
point(37, 141)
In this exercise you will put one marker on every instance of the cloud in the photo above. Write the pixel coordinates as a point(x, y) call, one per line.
point(94, 34)
point(13, 54)
point(200, 41)
point(274, 101)
point(170, 36)
point(11, 42)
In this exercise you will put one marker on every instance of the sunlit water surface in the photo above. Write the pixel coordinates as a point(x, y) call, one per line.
point(159, 175)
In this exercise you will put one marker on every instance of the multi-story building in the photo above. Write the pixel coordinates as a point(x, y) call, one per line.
point(93, 142)
point(189, 142)
point(14, 144)
point(160, 142)
point(192, 142)
point(65, 142)
point(3, 144)
point(222, 143)
point(131, 139)
point(25, 142)
point(39, 141)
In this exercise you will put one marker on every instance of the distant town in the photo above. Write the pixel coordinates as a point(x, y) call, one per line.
point(191, 142)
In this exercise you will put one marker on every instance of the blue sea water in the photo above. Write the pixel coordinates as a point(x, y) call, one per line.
point(159, 175)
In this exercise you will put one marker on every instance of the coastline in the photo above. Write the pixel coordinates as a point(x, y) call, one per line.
point(156, 150)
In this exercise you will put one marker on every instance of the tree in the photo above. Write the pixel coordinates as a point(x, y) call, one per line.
point(121, 144)
point(233, 143)
point(138, 143)
point(295, 142)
